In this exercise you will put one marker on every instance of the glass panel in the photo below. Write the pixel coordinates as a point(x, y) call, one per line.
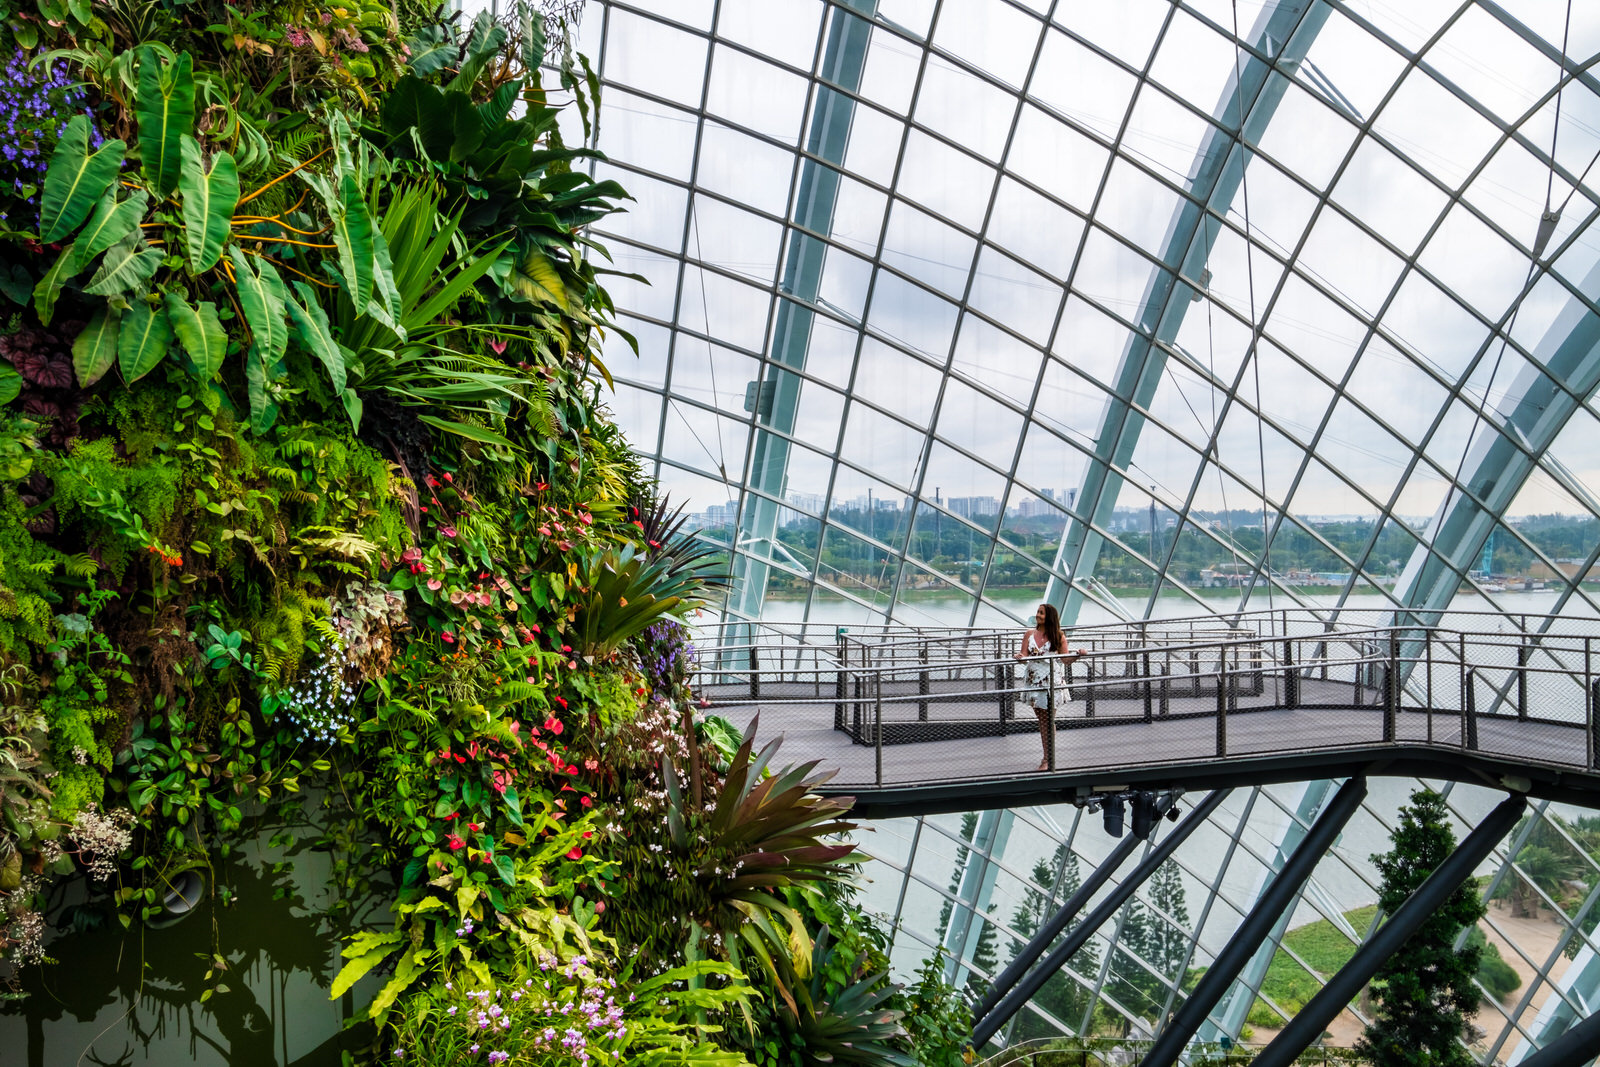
point(786, 30)
point(1138, 208)
point(1091, 342)
point(965, 109)
point(756, 95)
point(1052, 466)
point(857, 216)
point(891, 71)
point(1279, 206)
point(1012, 294)
point(638, 414)
point(1474, 261)
point(649, 367)
point(1425, 121)
point(736, 240)
point(1079, 85)
point(978, 423)
point(1433, 327)
point(949, 182)
point(1195, 62)
point(744, 168)
point(656, 218)
point(654, 296)
point(991, 35)
point(1348, 58)
point(880, 444)
point(710, 374)
point(912, 316)
point(654, 58)
point(1056, 158)
point(1040, 231)
point(1116, 277)
point(708, 442)
point(1389, 196)
point(969, 490)
point(1516, 79)
point(1348, 262)
point(897, 382)
point(1307, 137)
point(924, 248)
point(874, 145)
point(1396, 390)
point(631, 132)
point(1127, 30)
point(723, 308)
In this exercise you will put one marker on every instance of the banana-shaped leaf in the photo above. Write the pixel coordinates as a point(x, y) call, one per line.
point(200, 333)
point(10, 389)
point(385, 305)
point(164, 105)
point(76, 179)
point(49, 287)
point(262, 299)
point(311, 323)
point(95, 349)
point(112, 222)
point(129, 265)
point(142, 341)
point(208, 203)
point(352, 233)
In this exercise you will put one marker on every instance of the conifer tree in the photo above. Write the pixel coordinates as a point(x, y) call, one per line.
point(1422, 994)
point(1061, 996)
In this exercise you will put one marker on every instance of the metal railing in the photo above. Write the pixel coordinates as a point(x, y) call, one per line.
point(1521, 695)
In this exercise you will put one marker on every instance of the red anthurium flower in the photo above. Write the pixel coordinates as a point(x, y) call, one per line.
point(575, 854)
point(474, 827)
point(586, 802)
point(455, 842)
point(448, 638)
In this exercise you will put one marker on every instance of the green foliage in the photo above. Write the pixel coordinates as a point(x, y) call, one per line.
point(937, 1019)
point(1423, 992)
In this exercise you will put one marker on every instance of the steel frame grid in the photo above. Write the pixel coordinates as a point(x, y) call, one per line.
point(1458, 389)
point(899, 551)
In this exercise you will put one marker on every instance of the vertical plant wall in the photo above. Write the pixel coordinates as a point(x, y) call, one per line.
point(308, 484)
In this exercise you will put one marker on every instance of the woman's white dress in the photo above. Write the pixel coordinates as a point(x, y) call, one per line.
point(1037, 674)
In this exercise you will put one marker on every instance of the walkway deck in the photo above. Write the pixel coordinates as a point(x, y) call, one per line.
point(954, 737)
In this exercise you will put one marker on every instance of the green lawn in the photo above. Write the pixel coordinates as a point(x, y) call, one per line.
point(1323, 947)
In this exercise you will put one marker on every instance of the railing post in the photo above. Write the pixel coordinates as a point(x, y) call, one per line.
point(1148, 710)
point(839, 688)
point(1222, 702)
point(1050, 705)
point(1593, 689)
point(1427, 644)
point(1291, 680)
point(1088, 690)
point(922, 684)
point(755, 677)
point(877, 717)
point(1522, 682)
point(1391, 688)
point(1471, 711)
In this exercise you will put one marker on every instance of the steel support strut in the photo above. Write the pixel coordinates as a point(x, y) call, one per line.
point(1029, 953)
point(1256, 926)
point(1029, 984)
point(1575, 1048)
point(1307, 1026)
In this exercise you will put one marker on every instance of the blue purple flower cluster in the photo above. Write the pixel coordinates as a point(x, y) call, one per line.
point(667, 658)
point(35, 105)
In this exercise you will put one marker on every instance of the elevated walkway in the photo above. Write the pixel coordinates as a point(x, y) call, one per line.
point(916, 721)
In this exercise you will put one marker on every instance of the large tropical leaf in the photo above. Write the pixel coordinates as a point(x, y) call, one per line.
point(208, 203)
point(352, 233)
point(128, 266)
point(49, 287)
point(258, 383)
point(311, 325)
point(142, 340)
point(95, 349)
point(536, 279)
point(164, 106)
point(200, 332)
point(262, 299)
point(113, 220)
point(76, 179)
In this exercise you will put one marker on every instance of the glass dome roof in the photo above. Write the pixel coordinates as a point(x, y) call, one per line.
point(954, 301)
point(1150, 307)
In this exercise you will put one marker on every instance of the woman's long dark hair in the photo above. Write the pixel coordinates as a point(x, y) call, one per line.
point(1052, 628)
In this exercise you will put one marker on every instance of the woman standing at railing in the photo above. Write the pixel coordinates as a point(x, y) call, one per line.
point(1039, 645)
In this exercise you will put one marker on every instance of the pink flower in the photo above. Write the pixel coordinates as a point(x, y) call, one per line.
point(434, 583)
point(448, 531)
point(455, 842)
point(575, 854)
point(497, 347)
point(411, 555)
point(448, 637)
